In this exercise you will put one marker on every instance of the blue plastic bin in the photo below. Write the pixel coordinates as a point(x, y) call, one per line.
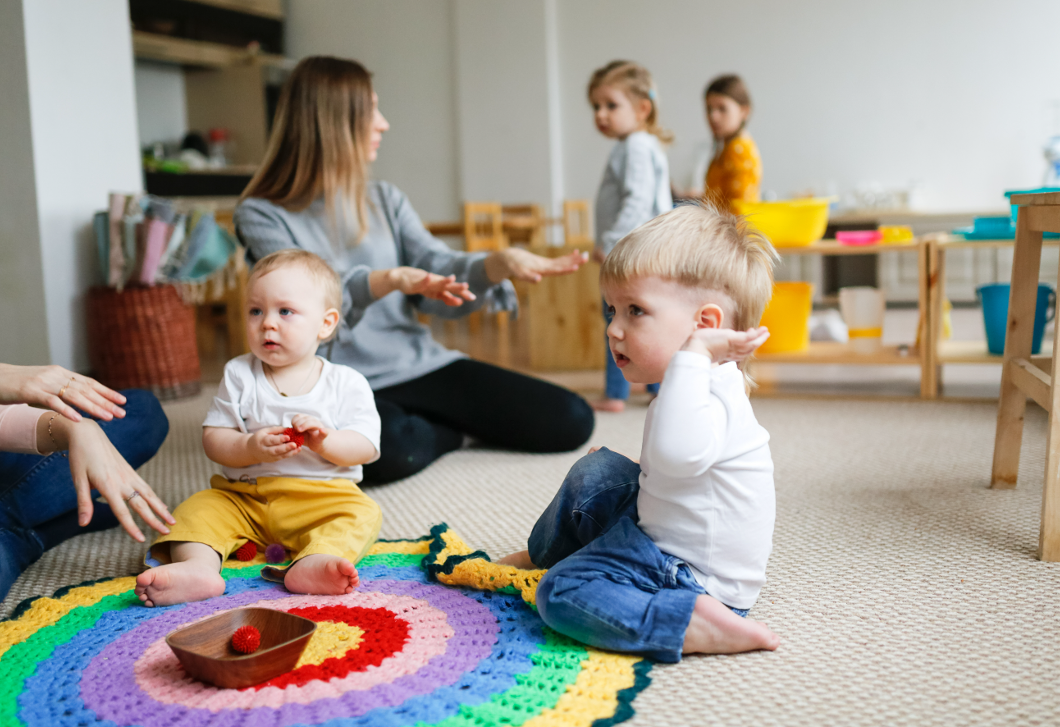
point(994, 299)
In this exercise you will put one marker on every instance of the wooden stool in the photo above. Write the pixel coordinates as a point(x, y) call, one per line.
point(1020, 377)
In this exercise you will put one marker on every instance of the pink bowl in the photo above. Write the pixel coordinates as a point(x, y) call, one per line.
point(859, 237)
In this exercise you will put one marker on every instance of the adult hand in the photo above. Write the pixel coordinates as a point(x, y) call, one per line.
point(724, 344)
point(413, 281)
point(59, 390)
point(515, 262)
point(96, 464)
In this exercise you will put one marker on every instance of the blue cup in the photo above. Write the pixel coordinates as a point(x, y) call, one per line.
point(994, 299)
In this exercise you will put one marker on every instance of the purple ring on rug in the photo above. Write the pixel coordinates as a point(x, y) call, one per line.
point(110, 690)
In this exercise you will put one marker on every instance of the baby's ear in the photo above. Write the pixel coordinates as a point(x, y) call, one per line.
point(331, 322)
point(710, 315)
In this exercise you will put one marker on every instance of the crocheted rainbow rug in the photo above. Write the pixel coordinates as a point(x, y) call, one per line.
point(435, 635)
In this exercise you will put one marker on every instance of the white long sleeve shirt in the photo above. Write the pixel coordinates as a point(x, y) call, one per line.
point(634, 190)
point(706, 483)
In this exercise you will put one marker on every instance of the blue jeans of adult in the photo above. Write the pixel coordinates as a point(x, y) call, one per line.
point(615, 384)
point(38, 501)
point(608, 585)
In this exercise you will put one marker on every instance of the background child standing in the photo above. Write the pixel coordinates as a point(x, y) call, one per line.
point(636, 183)
point(735, 172)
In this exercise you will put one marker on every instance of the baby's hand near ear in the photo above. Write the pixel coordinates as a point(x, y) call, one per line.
point(724, 344)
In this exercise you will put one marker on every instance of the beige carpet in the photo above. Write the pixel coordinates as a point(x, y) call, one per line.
point(905, 591)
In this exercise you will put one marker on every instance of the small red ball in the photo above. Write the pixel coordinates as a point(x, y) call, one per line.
point(246, 640)
point(296, 436)
point(247, 551)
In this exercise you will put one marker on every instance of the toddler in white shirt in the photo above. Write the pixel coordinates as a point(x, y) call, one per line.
point(664, 557)
point(291, 431)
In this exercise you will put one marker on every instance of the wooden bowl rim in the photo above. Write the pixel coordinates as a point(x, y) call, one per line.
point(259, 652)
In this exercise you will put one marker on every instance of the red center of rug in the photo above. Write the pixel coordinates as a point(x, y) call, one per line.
point(384, 635)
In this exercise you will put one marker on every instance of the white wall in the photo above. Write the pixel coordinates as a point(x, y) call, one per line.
point(84, 144)
point(161, 107)
point(951, 92)
point(955, 94)
point(21, 276)
point(503, 109)
point(408, 47)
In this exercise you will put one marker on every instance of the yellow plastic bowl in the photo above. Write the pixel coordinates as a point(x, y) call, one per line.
point(787, 316)
point(791, 223)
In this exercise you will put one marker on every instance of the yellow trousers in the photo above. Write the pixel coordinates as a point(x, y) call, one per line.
point(306, 517)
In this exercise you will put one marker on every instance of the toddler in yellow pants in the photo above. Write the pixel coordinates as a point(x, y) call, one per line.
point(291, 431)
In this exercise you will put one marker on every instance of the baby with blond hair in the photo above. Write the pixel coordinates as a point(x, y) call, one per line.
point(665, 556)
point(291, 431)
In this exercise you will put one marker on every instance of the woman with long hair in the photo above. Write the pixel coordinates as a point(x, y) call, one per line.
point(313, 192)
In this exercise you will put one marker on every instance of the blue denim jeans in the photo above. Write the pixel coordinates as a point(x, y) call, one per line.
point(608, 585)
point(615, 384)
point(37, 492)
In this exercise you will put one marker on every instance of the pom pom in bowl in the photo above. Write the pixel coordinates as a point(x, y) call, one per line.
point(206, 652)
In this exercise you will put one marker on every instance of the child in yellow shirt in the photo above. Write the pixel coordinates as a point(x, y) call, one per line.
point(735, 172)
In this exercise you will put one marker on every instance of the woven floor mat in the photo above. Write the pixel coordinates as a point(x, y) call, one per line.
point(399, 650)
point(903, 588)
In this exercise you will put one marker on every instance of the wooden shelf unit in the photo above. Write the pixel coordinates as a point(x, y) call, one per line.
point(844, 353)
point(199, 53)
point(832, 352)
point(941, 352)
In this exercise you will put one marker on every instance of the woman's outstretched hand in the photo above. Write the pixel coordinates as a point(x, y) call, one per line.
point(96, 465)
point(59, 390)
point(514, 262)
point(413, 281)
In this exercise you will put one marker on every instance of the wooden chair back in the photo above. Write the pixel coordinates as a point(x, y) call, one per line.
point(524, 224)
point(483, 229)
point(576, 227)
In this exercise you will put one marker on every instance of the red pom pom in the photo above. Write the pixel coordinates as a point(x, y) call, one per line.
point(296, 436)
point(246, 551)
point(246, 640)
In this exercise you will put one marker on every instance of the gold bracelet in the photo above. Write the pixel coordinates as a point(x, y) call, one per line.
point(52, 436)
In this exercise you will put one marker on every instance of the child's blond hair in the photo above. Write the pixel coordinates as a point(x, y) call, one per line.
point(636, 82)
point(699, 246)
point(319, 270)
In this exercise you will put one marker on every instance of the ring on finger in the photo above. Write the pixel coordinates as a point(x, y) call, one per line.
point(62, 391)
point(130, 498)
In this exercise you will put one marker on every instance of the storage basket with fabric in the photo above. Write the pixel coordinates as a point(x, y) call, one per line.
point(144, 338)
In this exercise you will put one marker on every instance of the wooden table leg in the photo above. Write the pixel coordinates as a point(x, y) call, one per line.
point(926, 328)
point(1018, 335)
point(1049, 535)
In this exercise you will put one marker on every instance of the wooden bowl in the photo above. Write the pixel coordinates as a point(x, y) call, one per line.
point(205, 648)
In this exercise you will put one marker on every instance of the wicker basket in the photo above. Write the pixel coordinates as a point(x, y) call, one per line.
point(143, 338)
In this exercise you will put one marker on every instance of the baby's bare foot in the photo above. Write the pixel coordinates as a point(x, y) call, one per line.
point(322, 575)
point(612, 405)
point(178, 583)
point(519, 560)
point(715, 629)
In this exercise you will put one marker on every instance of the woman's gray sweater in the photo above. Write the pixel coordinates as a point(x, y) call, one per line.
point(382, 339)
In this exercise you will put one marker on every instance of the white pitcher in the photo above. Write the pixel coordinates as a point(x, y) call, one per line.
point(863, 309)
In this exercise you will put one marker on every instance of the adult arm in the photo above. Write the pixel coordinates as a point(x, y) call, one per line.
point(264, 231)
point(482, 272)
point(96, 465)
point(41, 386)
point(638, 197)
